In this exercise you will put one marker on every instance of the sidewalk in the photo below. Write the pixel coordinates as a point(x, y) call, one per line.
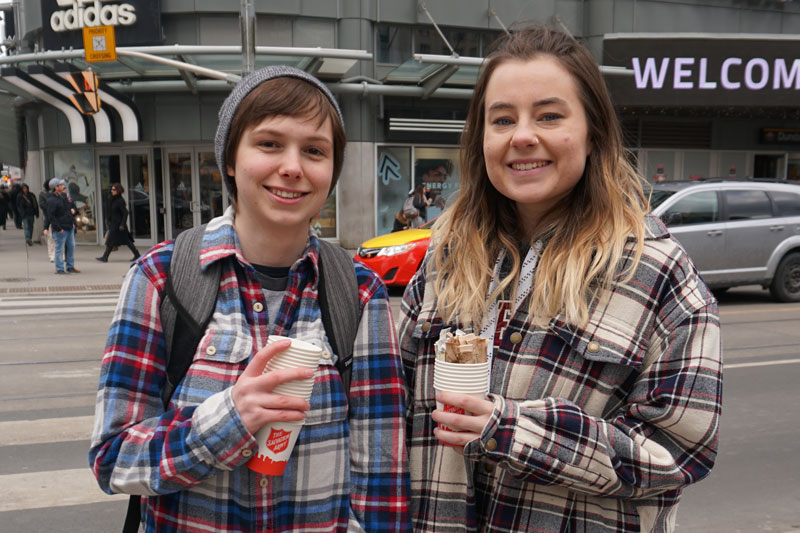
point(27, 269)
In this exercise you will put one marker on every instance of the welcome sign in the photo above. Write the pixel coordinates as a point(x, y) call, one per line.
point(712, 70)
point(135, 22)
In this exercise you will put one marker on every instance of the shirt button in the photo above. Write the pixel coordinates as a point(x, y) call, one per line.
point(247, 453)
point(593, 347)
point(264, 482)
point(488, 468)
point(326, 354)
point(515, 337)
point(258, 307)
point(491, 445)
point(211, 350)
point(426, 326)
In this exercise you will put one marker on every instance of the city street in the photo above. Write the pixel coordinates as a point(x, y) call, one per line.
point(50, 350)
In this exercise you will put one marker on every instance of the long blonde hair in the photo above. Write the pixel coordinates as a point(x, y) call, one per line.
point(586, 233)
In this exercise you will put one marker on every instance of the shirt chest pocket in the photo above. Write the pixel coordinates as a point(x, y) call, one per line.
point(606, 363)
point(220, 358)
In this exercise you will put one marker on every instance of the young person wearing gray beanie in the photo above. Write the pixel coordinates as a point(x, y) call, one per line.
point(279, 146)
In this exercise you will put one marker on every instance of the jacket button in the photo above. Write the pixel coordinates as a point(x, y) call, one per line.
point(247, 453)
point(426, 326)
point(326, 354)
point(258, 307)
point(264, 482)
point(593, 347)
point(491, 445)
point(211, 350)
point(488, 468)
point(515, 337)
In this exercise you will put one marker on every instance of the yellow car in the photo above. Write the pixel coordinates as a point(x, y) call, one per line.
point(396, 256)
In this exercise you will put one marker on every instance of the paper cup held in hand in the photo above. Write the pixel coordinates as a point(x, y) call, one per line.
point(464, 378)
point(275, 444)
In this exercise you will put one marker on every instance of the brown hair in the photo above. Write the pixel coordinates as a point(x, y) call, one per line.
point(587, 231)
point(118, 186)
point(285, 96)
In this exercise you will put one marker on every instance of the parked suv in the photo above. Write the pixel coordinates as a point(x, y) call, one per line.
point(738, 232)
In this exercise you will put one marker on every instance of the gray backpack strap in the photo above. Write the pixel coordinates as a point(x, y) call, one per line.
point(188, 301)
point(338, 287)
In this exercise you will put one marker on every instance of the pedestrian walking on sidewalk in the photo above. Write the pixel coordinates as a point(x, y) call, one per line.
point(48, 234)
point(61, 212)
point(15, 190)
point(28, 209)
point(117, 225)
point(5, 199)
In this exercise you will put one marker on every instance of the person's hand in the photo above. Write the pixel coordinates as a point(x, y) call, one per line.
point(252, 393)
point(467, 427)
point(61, 231)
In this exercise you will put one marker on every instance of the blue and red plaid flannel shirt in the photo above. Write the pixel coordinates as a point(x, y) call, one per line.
point(594, 429)
point(348, 470)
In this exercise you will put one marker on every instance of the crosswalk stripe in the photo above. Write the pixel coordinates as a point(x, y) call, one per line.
point(45, 430)
point(52, 302)
point(54, 488)
point(32, 305)
point(59, 310)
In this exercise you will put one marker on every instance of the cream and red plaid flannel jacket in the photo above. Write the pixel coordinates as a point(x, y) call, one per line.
point(594, 429)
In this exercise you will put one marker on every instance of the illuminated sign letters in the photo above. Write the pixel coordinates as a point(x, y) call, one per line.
point(733, 73)
point(703, 70)
point(135, 22)
point(98, 13)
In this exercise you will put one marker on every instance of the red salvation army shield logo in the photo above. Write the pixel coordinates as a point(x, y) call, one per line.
point(278, 440)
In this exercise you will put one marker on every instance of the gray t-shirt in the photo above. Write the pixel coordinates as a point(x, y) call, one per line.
point(273, 281)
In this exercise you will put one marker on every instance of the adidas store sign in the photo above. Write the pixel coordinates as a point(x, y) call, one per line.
point(88, 13)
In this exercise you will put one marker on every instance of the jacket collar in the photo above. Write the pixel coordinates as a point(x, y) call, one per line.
point(221, 241)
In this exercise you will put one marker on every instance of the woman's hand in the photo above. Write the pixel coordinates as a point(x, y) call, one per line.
point(252, 392)
point(467, 427)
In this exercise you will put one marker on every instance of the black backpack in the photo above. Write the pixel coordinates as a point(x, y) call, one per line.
point(190, 296)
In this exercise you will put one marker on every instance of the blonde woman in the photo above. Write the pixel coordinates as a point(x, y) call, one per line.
point(605, 386)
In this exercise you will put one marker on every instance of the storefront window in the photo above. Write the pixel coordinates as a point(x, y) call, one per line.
point(696, 165)
point(394, 44)
point(437, 169)
point(325, 222)
point(393, 185)
point(76, 168)
point(139, 191)
point(733, 164)
point(793, 168)
point(210, 187)
point(660, 166)
point(181, 191)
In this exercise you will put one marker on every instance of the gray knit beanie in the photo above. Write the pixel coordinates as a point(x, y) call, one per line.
point(239, 93)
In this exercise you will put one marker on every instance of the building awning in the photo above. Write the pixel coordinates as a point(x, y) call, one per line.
point(193, 69)
point(42, 77)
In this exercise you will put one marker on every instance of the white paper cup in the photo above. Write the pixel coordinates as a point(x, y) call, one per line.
point(275, 444)
point(457, 410)
point(276, 440)
point(299, 348)
point(463, 378)
point(462, 367)
point(299, 389)
point(300, 354)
